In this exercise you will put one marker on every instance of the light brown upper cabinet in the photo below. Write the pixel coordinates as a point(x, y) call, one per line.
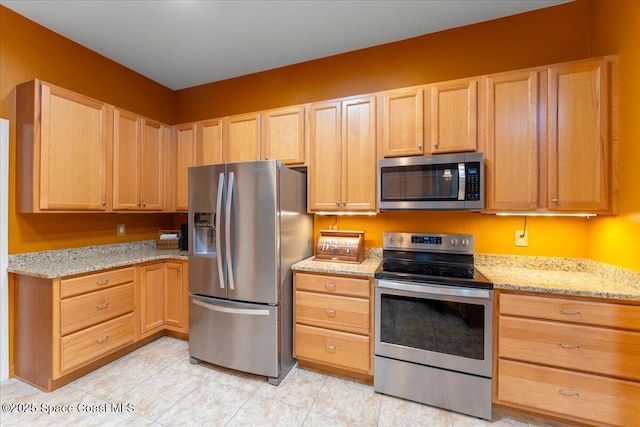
point(451, 123)
point(342, 156)
point(510, 140)
point(139, 172)
point(243, 138)
point(548, 138)
point(63, 147)
point(580, 137)
point(283, 135)
point(210, 142)
point(402, 122)
point(185, 157)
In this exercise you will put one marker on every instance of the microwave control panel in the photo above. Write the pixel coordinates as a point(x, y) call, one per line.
point(472, 190)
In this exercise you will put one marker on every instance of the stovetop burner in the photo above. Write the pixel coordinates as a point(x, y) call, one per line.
point(431, 258)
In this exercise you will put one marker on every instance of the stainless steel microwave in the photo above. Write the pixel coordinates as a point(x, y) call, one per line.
point(440, 182)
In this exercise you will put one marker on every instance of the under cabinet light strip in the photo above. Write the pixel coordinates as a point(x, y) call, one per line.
point(579, 215)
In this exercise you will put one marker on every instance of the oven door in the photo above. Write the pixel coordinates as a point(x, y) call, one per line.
point(442, 326)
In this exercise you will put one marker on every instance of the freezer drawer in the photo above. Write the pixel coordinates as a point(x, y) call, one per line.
point(235, 335)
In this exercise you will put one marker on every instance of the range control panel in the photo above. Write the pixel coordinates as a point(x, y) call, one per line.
point(429, 242)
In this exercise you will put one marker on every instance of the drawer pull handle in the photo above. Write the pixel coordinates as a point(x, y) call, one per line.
point(102, 306)
point(102, 339)
point(102, 282)
point(330, 312)
point(570, 312)
point(330, 286)
point(569, 393)
point(331, 348)
point(570, 346)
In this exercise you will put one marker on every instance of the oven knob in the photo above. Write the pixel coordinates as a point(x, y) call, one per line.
point(465, 242)
point(454, 242)
point(391, 240)
point(399, 239)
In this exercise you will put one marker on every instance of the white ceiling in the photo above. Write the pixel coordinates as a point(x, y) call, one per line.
point(184, 43)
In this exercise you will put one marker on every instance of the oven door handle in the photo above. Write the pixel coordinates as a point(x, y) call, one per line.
point(436, 290)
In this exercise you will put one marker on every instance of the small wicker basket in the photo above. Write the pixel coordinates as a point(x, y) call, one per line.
point(168, 243)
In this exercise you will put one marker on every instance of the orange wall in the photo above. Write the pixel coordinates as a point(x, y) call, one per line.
point(29, 51)
point(546, 36)
point(615, 30)
point(566, 32)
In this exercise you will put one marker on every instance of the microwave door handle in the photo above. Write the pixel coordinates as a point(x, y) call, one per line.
point(462, 181)
point(218, 217)
point(229, 236)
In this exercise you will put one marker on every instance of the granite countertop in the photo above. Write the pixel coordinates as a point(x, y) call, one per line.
point(563, 276)
point(368, 267)
point(69, 262)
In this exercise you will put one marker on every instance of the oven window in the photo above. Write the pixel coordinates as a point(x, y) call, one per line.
point(442, 326)
point(419, 183)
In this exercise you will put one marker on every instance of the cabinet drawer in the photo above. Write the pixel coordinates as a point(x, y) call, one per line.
point(334, 312)
point(332, 285)
point(586, 312)
point(92, 343)
point(334, 348)
point(585, 396)
point(93, 282)
point(89, 309)
point(586, 348)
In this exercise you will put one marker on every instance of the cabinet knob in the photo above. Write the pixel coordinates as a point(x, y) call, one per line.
point(331, 348)
point(554, 200)
point(330, 312)
point(144, 205)
point(435, 145)
point(330, 286)
point(338, 203)
point(139, 204)
point(344, 203)
point(104, 203)
point(534, 200)
point(419, 146)
point(102, 306)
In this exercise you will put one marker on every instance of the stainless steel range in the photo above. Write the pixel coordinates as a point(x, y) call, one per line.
point(433, 323)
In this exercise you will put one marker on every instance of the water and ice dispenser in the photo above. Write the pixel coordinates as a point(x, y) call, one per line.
point(204, 233)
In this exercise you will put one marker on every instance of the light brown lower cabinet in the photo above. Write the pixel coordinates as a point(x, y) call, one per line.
point(569, 358)
point(67, 327)
point(333, 328)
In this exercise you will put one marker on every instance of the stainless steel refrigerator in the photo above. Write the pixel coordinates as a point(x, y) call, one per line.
point(248, 224)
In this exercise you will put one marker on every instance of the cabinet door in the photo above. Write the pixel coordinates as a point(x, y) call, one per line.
point(402, 123)
point(185, 158)
point(73, 151)
point(176, 295)
point(325, 157)
point(126, 160)
point(510, 123)
point(153, 176)
point(579, 152)
point(210, 142)
point(243, 143)
point(283, 135)
point(152, 288)
point(359, 155)
point(451, 117)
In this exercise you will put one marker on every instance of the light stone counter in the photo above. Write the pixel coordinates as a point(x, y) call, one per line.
point(368, 267)
point(571, 277)
point(69, 262)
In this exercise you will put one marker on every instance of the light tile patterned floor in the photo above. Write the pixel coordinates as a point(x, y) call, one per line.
point(157, 386)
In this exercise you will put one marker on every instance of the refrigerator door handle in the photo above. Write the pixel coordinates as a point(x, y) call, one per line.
point(249, 311)
point(217, 221)
point(230, 238)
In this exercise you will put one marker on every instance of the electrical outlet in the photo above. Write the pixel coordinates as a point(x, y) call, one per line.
point(522, 238)
point(120, 230)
